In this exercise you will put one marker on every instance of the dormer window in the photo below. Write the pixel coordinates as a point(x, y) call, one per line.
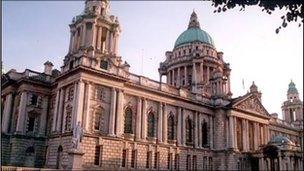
point(104, 65)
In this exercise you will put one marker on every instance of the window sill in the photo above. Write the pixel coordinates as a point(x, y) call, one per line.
point(128, 136)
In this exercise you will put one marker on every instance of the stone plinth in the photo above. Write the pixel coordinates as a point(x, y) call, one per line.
point(75, 159)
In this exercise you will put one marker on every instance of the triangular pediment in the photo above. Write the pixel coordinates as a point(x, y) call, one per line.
point(251, 104)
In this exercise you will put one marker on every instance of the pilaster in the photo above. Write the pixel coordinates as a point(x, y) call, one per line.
point(179, 126)
point(159, 122)
point(138, 118)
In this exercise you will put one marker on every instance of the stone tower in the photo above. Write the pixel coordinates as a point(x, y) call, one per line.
point(94, 39)
point(292, 108)
point(195, 64)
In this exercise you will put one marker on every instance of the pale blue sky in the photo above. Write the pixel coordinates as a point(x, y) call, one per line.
point(36, 31)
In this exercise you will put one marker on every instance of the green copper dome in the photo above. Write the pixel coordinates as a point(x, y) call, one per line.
point(194, 35)
point(292, 88)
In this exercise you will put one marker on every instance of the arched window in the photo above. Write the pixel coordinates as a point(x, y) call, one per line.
point(128, 121)
point(151, 124)
point(204, 134)
point(189, 130)
point(171, 127)
point(68, 118)
point(98, 119)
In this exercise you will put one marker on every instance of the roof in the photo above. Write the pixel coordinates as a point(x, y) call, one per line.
point(194, 35)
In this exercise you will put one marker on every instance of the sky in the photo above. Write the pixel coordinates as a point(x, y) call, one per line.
point(36, 31)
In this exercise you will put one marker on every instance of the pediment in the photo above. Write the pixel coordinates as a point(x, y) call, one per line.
point(251, 104)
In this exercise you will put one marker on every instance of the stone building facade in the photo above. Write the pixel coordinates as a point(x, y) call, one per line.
point(132, 122)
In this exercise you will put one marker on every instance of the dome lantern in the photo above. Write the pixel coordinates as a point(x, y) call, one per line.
point(194, 33)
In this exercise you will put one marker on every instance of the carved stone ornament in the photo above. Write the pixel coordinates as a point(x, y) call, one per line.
point(252, 104)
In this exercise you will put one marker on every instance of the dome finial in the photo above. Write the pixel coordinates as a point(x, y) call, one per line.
point(193, 23)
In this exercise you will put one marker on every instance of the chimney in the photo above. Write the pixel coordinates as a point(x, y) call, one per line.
point(48, 67)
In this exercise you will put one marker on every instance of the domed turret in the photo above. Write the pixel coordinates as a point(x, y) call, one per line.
point(193, 61)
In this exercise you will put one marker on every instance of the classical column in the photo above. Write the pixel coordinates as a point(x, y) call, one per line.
point(107, 42)
point(208, 74)
point(235, 137)
point(211, 131)
point(71, 41)
point(98, 44)
point(74, 105)
point(78, 104)
point(43, 116)
point(202, 72)
point(160, 121)
point(138, 118)
point(165, 126)
point(183, 127)
point(94, 31)
point(116, 39)
point(7, 112)
point(244, 134)
point(22, 113)
point(83, 35)
point(144, 120)
point(200, 136)
point(231, 130)
point(60, 110)
point(178, 77)
point(179, 126)
point(194, 76)
point(87, 110)
point(261, 164)
point(112, 114)
point(196, 129)
point(119, 119)
point(186, 77)
point(247, 135)
point(55, 110)
point(256, 135)
point(173, 77)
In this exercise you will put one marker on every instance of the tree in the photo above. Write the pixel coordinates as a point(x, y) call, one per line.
point(294, 8)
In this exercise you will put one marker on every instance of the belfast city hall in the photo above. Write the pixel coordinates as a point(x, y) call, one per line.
point(93, 114)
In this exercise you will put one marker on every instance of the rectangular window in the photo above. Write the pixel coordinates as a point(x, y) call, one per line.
point(194, 162)
point(34, 99)
point(176, 162)
point(210, 163)
point(188, 163)
point(97, 155)
point(149, 157)
point(97, 121)
point(124, 158)
point(133, 159)
point(169, 161)
point(156, 159)
point(31, 124)
point(205, 163)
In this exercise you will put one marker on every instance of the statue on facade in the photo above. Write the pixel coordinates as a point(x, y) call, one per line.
point(77, 136)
